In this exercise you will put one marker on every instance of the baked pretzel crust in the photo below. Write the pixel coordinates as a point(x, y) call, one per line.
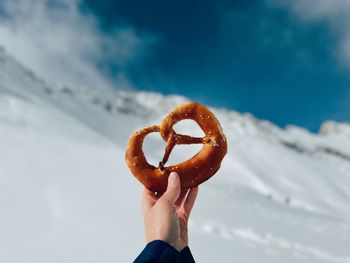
point(192, 172)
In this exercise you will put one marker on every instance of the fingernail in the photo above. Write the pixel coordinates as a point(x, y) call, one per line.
point(173, 177)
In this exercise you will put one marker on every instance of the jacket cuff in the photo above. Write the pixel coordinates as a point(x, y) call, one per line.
point(157, 251)
point(185, 255)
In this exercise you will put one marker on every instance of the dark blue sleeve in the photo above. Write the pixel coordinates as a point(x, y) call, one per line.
point(159, 251)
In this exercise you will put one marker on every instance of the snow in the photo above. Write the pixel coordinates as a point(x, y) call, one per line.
point(66, 194)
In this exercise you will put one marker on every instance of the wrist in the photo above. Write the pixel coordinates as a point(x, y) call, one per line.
point(177, 245)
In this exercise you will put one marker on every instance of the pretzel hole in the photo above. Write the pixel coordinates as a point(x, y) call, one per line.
point(153, 148)
point(183, 152)
point(189, 127)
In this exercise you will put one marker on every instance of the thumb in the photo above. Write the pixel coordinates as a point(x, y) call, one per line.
point(173, 190)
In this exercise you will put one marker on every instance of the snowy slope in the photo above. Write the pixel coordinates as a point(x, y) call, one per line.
point(66, 194)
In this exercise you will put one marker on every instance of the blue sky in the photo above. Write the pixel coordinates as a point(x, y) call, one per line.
point(287, 61)
point(250, 56)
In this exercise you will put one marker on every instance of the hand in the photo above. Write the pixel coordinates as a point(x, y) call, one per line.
point(166, 217)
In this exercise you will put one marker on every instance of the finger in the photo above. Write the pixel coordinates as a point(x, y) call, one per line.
point(148, 199)
point(173, 190)
point(190, 200)
point(181, 198)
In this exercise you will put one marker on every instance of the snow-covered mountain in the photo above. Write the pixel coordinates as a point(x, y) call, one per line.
point(66, 195)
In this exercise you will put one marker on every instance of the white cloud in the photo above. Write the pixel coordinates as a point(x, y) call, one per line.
point(64, 46)
point(334, 13)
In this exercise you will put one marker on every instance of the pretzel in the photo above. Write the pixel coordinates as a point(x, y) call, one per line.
point(192, 172)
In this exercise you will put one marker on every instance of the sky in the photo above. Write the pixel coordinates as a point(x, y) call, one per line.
point(287, 61)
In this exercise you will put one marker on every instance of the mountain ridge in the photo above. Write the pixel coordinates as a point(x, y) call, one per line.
point(144, 104)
